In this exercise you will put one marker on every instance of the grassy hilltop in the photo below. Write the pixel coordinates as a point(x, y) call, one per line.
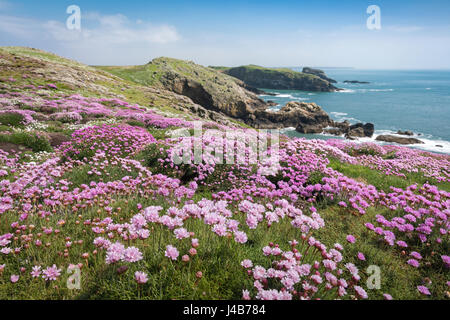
point(88, 182)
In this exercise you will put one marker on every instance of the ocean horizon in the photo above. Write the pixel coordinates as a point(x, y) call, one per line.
point(415, 100)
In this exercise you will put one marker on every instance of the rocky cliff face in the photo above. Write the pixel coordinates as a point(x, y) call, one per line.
point(206, 87)
point(281, 79)
point(305, 117)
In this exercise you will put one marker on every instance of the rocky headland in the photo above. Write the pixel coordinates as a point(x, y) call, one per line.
point(281, 78)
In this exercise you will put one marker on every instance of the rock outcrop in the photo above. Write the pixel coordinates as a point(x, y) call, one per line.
point(352, 132)
point(281, 79)
point(305, 117)
point(356, 82)
point(399, 140)
point(317, 72)
point(405, 133)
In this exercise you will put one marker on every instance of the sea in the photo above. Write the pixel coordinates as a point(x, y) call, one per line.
point(415, 100)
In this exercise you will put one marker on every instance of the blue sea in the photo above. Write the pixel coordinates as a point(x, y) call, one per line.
point(416, 100)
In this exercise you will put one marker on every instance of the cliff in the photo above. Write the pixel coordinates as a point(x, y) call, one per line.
point(204, 86)
point(281, 79)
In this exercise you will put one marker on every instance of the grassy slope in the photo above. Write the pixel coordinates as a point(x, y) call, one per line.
point(155, 73)
point(71, 76)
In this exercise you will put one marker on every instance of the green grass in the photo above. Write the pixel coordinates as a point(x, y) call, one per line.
point(397, 278)
point(11, 119)
point(396, 275)
point(35, 141)
point(380, 180)
point(218, 259)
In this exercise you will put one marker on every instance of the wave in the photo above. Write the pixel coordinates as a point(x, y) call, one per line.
point(380, 90)
point(430, 143)
point(342, 116)
point(339, 114)
point(346, 90)
point(284, 95)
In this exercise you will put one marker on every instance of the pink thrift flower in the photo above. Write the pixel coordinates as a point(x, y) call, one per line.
point(387, 296)
point(446, 260)
point(361, 292)
point(14, 278)
point(140, 277)
point(351, 238)
point(413, 262)
point(246, 295)
point(247, 263)
point(36, 271)
point(361, 256)
point(132, 254)
point(240, 237)
point(416, 255)
point(51, 273)
point(172, 252)
point(424, 290)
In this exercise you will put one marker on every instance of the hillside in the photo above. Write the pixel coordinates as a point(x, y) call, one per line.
point(279, 78)
point(205, 86)
point(92, 194)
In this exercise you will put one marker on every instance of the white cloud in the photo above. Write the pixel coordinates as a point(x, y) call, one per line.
point(405, 29)
point(107, 30)
point(18, 27)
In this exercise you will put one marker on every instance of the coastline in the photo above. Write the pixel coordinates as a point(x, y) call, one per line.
point(400, 95)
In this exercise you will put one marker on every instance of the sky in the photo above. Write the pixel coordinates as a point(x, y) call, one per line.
point(412, 35)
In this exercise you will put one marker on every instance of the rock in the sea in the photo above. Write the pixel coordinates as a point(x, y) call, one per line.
point(333, 131)
point(367, 129)
point(355, 133)
point(305, 117)
point(352, 132)
point(405, 133)
point(356, 82)
point(399, 140)
point(319, 73)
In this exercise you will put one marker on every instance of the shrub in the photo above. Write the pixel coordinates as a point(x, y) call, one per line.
point(36, 141)
point(13, 119)
point(136, 123)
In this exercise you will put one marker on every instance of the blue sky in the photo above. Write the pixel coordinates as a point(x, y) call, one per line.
point(413, 35)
